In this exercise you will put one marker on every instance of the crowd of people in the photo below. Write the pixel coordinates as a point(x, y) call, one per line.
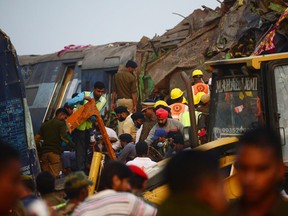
point(143, 138)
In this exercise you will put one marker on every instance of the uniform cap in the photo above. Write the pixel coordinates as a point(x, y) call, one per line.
point(77, 180)
point(146, 105)
point(197, 73)
point(176, 93)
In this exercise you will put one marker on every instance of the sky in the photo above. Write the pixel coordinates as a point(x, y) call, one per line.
point(46, 26)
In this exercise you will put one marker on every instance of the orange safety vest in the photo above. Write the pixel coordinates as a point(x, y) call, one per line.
point(200, 87)
point(177, 109)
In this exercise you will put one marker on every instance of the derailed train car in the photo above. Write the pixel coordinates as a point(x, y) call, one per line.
point(52, 79)
point(15, 121)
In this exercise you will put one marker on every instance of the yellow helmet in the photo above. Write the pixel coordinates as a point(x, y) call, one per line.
point(176, 93)
point(197, 73)
point(184, 101)
point(160, 102)
point(197, 97)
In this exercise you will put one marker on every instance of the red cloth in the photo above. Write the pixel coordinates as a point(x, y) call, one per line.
point(162, 113)
point(138, 171)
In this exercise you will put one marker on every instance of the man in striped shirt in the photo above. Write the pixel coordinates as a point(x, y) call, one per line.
point(113, 197)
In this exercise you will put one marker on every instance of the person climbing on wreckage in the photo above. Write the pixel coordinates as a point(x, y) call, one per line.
point(81, 135)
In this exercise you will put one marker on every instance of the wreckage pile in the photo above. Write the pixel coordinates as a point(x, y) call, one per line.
point(236, 29)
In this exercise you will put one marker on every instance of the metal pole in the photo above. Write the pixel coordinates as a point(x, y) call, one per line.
point(94, 171)
point(193, 132)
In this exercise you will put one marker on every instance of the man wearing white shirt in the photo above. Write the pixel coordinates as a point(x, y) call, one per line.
point(141, 160)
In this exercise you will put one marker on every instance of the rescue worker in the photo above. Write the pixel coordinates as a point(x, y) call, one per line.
point(165, 123)
point(177, 107)
point(125, 87)
point(81, 135)
point(199, 85)
point(52, 133)
point(150, 119)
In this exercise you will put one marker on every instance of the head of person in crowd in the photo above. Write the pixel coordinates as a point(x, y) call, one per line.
point(131, 66)
point(148, 109)
point(121, 113)
point(197, 76)
point(159, 135)
point(176, 95)
point(162, 116)
point(125, 139)
point(138, 180)
point(115, 176)
point(69, 109)
point(76, 186)
point(61, 114)
point(260, 165)
point(195, 175)
point(10, 178)
point(45, 183)
point(138, 119)
point(178, 142)
point(28, 186)
point(141, 149)
point(99, 89)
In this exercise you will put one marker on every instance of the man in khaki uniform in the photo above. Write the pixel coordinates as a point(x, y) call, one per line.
point(125, 87)
point(53, 132)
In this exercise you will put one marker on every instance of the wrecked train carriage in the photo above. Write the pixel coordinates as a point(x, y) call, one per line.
point(52, 79)
point(230, 31)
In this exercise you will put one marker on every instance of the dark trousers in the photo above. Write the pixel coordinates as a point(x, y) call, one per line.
point(82, 140)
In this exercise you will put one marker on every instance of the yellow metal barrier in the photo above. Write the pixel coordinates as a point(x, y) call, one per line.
point(95, 170)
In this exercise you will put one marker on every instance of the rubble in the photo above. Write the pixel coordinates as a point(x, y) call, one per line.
point(231, 31)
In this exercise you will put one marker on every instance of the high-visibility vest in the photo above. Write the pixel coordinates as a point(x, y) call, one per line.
point(99, 104)
point(200, 87)
point(184, 118)
point(177, 109)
